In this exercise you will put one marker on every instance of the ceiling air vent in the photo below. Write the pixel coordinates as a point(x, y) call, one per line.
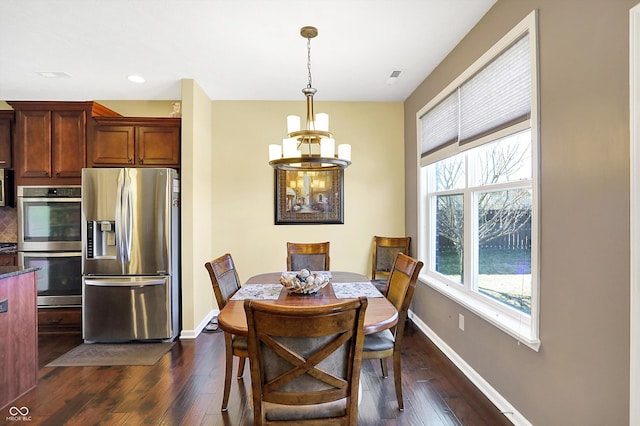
point(393, 77)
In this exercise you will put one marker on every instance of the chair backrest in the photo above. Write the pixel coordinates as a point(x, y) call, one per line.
point(402, 283)
point(311, 256)
point(317, 364)
point(384, 253)
point(224, 278)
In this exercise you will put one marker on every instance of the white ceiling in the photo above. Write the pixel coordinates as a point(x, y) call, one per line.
point(234, 49)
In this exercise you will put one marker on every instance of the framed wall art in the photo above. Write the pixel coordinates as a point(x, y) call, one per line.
point(309, 197)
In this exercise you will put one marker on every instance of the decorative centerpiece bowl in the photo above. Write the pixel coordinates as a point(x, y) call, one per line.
point(303, 282)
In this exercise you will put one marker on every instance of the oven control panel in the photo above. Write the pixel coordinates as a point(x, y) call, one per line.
point(70, 191)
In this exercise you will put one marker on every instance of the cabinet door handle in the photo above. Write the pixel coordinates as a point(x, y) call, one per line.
point(140, 161)
point(3, 162)
point(46, 173)
point(130, 160)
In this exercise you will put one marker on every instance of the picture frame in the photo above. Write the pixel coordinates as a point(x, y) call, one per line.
point(309, 197)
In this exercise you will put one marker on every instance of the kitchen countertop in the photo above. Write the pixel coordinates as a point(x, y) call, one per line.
point(11, 271)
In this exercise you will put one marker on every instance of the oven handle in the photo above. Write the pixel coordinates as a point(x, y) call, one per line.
point(23, 254)
point(48, 200)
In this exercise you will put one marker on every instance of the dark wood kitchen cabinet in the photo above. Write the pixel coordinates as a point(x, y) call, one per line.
point(7, 119)
point(18, 334)
point(51, 144)
point(60, 320)
point(51, 140)
point(134, 142)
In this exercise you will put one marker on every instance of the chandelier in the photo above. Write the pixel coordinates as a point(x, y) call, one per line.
point(311, 148)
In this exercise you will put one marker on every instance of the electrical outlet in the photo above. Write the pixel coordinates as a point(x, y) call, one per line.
point(4, 305)
point(461, 322)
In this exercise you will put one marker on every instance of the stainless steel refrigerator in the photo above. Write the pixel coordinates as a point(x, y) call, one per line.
point(130, 244)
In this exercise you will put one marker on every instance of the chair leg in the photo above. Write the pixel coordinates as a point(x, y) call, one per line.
point(228, 370)
point(397, 378)
point(383, 365)
point(241, 367)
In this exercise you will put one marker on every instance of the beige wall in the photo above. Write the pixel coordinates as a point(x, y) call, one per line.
point(242, 185)
point(196, 176)
point(581, 374)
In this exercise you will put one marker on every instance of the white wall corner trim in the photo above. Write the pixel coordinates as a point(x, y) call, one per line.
point(634, 249)
point(192, 334)
point(498, 400)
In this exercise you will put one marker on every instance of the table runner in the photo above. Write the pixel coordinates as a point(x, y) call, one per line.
point(258, 292)
point(354, 290)
point(351, 290)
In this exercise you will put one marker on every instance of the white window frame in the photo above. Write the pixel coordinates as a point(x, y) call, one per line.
point(523, 327)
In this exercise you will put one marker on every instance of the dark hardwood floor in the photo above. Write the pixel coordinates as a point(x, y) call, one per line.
point(185, 388)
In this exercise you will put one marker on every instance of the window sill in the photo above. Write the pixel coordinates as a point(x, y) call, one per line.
point(512, 326)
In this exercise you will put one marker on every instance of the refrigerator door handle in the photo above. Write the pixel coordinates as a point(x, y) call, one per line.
point(118, 217)
point(128, 283)
point(123, 219)
point(127, 221)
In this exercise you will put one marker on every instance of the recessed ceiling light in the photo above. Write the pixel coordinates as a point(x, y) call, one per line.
point(53, 74)
point(135, 78)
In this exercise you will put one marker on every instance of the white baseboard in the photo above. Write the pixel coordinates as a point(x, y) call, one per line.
point(192, 334)
point(498, 400)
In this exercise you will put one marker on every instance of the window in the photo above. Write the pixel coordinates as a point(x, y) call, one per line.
point(478, 141)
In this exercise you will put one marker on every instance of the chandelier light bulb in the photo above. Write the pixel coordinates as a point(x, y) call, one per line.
point(275, 152)
point(322, 121)
point(344, 151)
point(327, 148)
point(293, 123)
point(289, 147)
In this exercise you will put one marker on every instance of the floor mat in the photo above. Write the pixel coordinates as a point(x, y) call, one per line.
point(103, 354)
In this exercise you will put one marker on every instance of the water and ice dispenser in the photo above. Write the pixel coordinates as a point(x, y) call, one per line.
point(101, 239)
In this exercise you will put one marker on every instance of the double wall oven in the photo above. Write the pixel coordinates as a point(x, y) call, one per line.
point(49, 237)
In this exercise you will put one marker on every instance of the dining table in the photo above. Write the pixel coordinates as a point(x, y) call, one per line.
point(380, 314)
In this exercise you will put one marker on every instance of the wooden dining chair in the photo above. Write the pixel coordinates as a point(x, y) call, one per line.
point(387, 343)
point(225, 282)
point(305, 375)
point(384, 254)
point(311, 256)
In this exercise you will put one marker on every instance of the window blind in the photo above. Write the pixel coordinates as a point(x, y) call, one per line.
point(440, 124)
point(496, 97)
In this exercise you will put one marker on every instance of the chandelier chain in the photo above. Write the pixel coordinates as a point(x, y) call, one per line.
point(309, 61)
